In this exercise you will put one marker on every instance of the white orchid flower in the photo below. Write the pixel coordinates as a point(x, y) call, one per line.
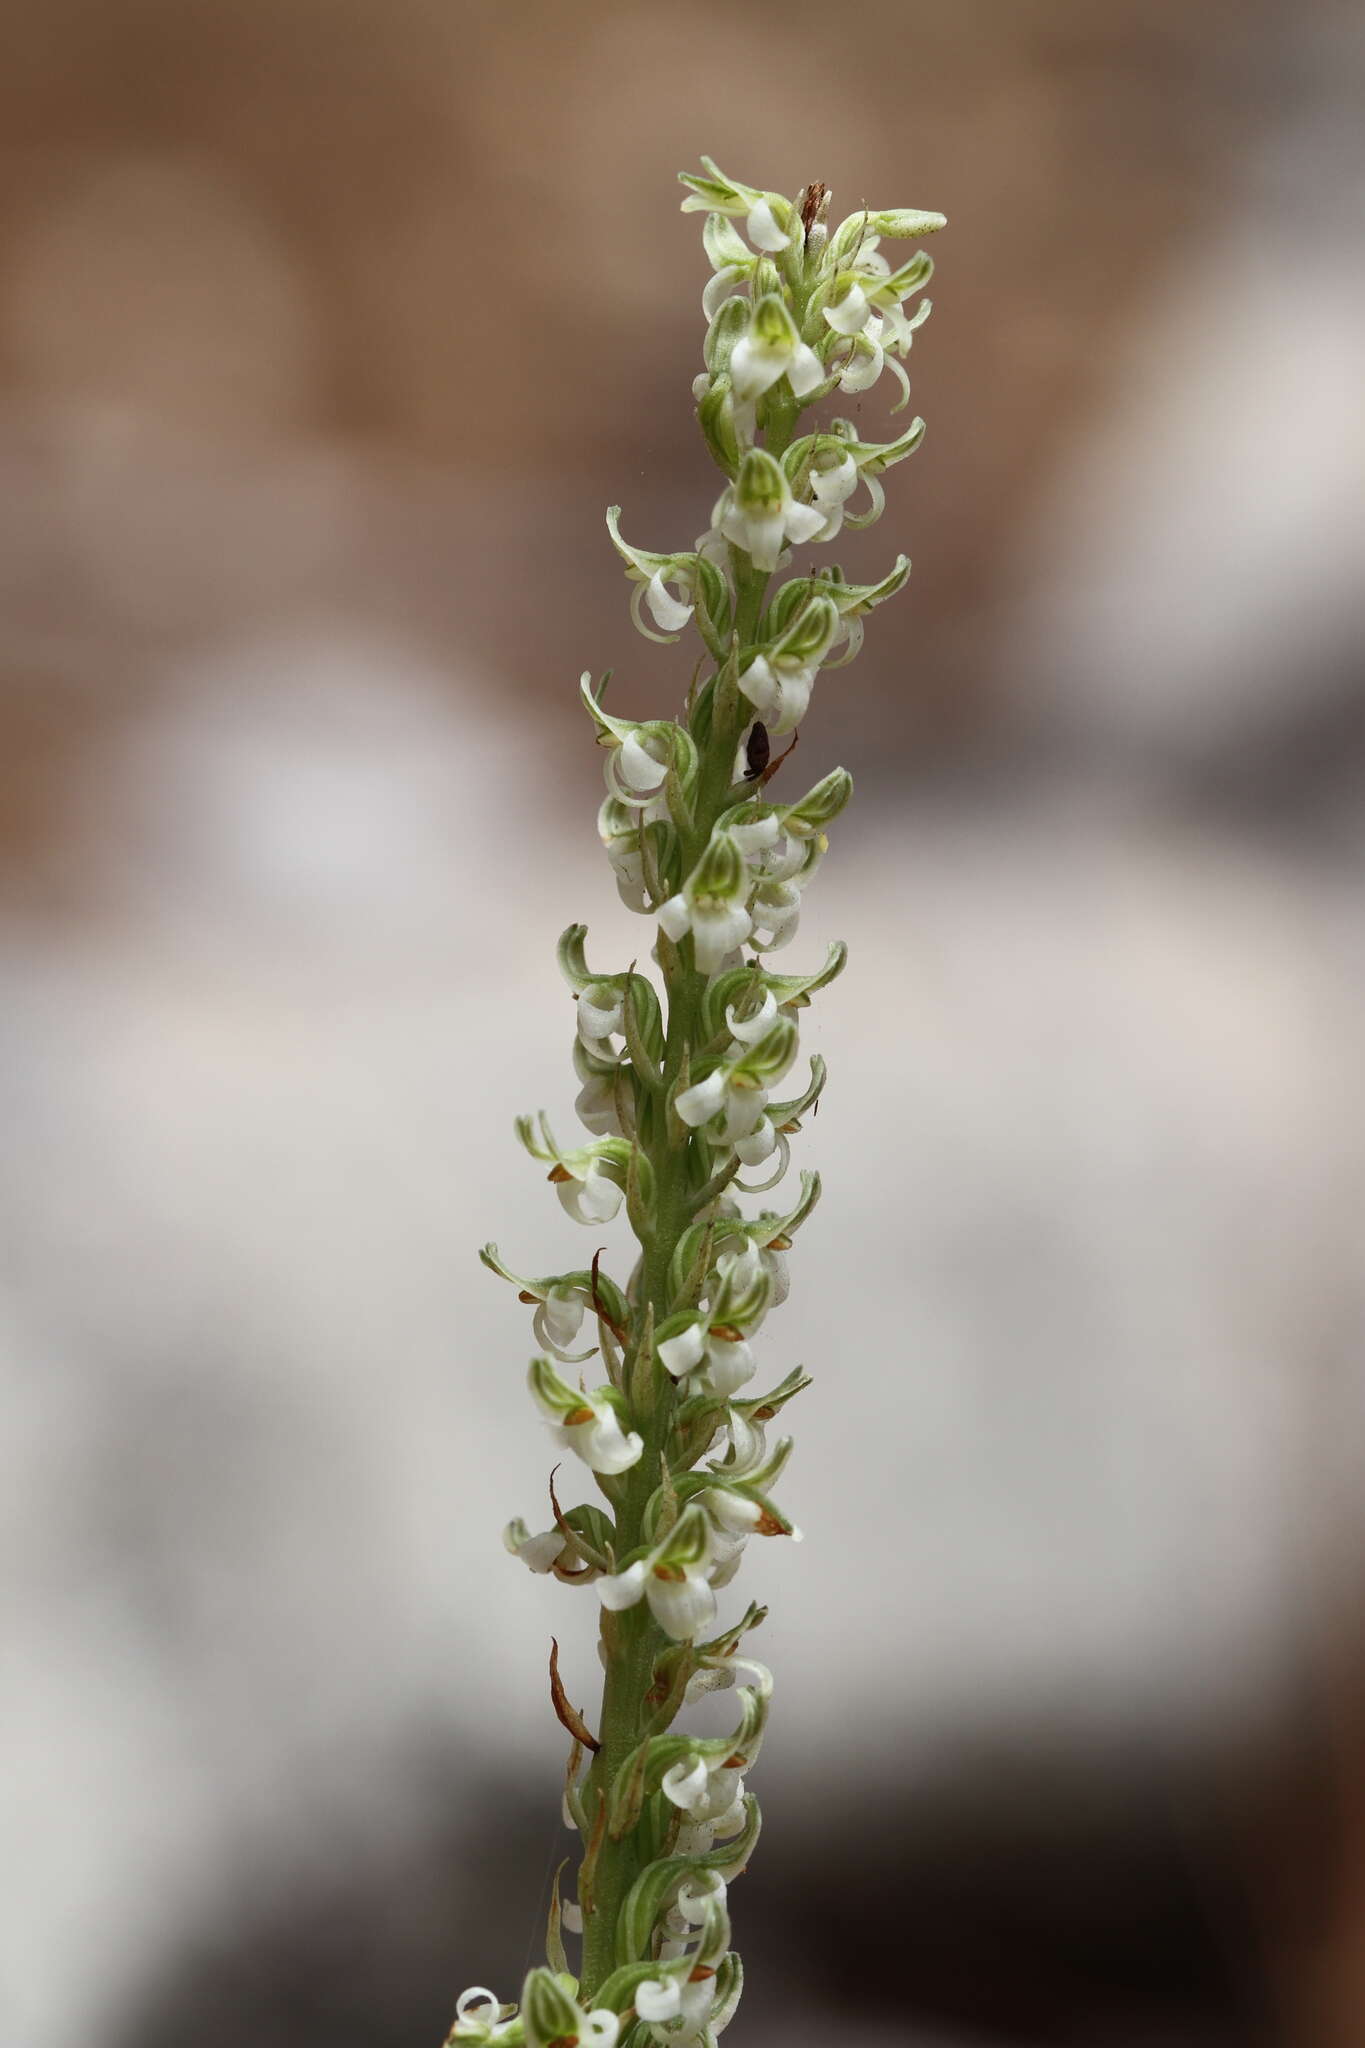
point(710, 904)
point(585, 1423)
point(759, 514)
point(671, 1578)
point(770, 349)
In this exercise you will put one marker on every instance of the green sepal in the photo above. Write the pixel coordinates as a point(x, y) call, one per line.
point(642, 1772)
point(713, 611)
point(729, 1990)
point(897, 223)
point(724, 335)
point(819, 806)
point(608, 1293)
point(763, 1229)
point(716, 418)
point(724, 1646)
point(764, 1406)
point(717, 193)
point(617, 1992)
point(726, 248)
point(912, 275)
point(782, 1113)
point(647, 1896)
point(549, 2008)
point(769, 1057)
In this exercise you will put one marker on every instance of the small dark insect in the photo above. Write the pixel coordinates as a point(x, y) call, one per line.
point(757, 749)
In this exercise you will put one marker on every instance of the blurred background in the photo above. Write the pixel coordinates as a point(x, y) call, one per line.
point(327, 331)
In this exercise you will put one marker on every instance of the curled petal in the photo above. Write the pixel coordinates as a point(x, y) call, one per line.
point(600, 1013)
point(748, 1030)
point(658, 1999)
point(623, 1589)
point(640, 769)
point(669, 615)
point(681, 1606)
point(600, 2029)
point(719, 288)
point(805, 370)
point(763, 231)
point(697, 1105)
point(477, 1996)
point(678, 1355)
point(850, 315)
point(686, 1784)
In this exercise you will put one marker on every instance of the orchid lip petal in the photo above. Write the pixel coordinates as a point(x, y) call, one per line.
point(623, 1589)
point(763, 231)
point(668, 613)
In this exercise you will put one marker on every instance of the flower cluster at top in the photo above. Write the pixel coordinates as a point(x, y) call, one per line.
point(685, 1095)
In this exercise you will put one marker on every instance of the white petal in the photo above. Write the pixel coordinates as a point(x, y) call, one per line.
point(754, 369)
point(720, 288)
point(832, 485)
point(698, 1104)
point(805, 370)
point(862, 371)
point(600, 2029)
point(540, 1552)
point(730, 1365)
point(598, 1020)
point(762, 540)
point(793, 704)
point(638, 768)
point(803, 522)
point(717, 932)
point(676, 917)
point(669, 615)
point(624, 1588)
point(658, 1998)
point(686, 1783)
point(476, 1996)
point(778, 1271)
point(595, 1108)
point(595, 1199)
point(732, 1510)
point(700, 386)
point(748, 1030)
point(681, 1606)
point(760, 1144)
point(760, 686)
point(603, 1445)
point(763, 231)
point(557, 1320)
point(743, 1111)
point(850, 315)
point(571, 1915)
point(678, 1355)
point(752, 838)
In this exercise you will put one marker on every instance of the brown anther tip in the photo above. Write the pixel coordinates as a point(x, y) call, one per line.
point(768, 1525)
point(559, 1174)
point(815, 196)
point(577, 1415)
point(727, 1333)
point(735, 1763)
point(531, 1300)
point(700, 1974)
point(780, 1243)
point(765, 1413)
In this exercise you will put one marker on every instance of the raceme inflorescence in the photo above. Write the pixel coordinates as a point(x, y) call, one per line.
point(682, 1096)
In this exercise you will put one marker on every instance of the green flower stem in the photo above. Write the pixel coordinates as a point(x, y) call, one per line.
point(632, 1640)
